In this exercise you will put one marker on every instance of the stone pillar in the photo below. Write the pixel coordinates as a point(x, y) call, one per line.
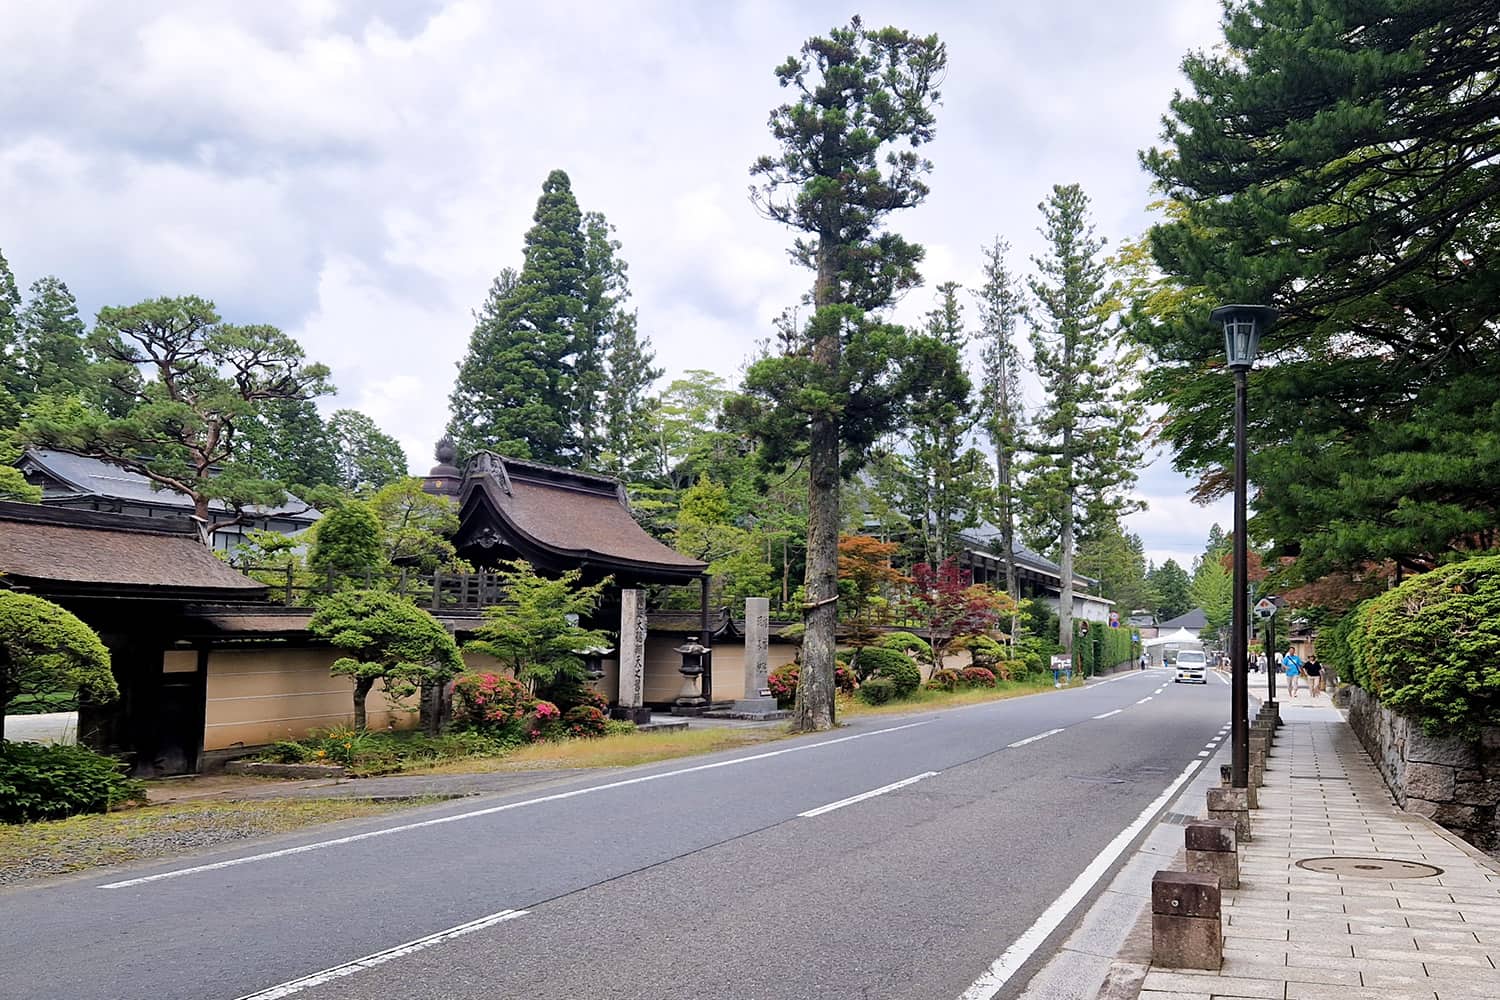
point(1231, 804)
point(755, 703)
point(1212, 847)
point(631, 705)
point(1186, 928)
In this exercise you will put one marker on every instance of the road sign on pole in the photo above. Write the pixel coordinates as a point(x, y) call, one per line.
point(1114, 619)
point(1265, 608)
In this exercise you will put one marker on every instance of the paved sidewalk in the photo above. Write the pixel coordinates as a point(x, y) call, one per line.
point(1296, 934)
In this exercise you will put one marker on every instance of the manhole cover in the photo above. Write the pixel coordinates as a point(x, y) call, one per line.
point(1370, 867)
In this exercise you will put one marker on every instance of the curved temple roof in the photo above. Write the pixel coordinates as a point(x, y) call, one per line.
point(561, 519)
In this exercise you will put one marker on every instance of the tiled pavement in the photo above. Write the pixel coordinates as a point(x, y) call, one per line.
point(1295, 934)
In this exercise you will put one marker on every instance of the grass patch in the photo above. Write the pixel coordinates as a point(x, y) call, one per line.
point(927, 699)
point(623, 750)
point(39, 850)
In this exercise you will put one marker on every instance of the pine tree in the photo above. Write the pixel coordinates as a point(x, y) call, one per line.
point(516, 390)
point(629, 408)
point(600, 314)
point(288, 442)
point(1000, 308)
point(1173, 588)
point(1338, 165)
point(51, 338)
point(838, 174)
point(1084, 443)
point(948, 485)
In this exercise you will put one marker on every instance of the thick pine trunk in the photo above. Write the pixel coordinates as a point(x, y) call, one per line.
point(815, 685)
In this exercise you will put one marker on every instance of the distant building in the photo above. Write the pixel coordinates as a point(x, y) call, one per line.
point(1194, 621)
point(1036, 575)
point(78, 482)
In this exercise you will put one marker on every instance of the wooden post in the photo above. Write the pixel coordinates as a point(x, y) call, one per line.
point(290, 597)
point(437, 589)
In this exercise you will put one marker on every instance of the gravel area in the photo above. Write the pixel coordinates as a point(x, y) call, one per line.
point(41, 850)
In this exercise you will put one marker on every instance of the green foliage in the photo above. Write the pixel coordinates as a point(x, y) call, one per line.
point(1430, 648)
point(1213, 590)
point(1001, 409)
point(14, 487)
point(367, 457)
point(388, 639)
point(1117, 559)
point(415, 526)
point(1173, 589)
point(287, 442)
point(366, 754)
point(874, 660)
point(1100, 650)
point(45, 648)
point(181, 381)
point(50, 336)
point(903, 673)
point(907, 642)
point(348, 543)
point(877, 690)
point(946, 679)
point(783, 683)
point(1327, 160)
point(534, 632)
point(39, 782)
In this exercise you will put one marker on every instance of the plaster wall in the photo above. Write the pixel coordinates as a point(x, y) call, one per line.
point(259, 696)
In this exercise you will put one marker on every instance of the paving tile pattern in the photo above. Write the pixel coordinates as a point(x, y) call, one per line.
point(1294, 934)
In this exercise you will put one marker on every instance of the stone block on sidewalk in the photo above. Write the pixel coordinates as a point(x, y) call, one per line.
point(1212, 848)
point(1231, 804)
point(1186, 931)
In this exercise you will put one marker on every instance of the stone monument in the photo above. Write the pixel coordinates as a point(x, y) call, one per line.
point(630, 705)
point(757, 702)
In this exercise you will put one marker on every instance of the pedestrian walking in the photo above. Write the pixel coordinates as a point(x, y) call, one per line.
point(1144, 660)
point(1293, 665)
point(1314, 671)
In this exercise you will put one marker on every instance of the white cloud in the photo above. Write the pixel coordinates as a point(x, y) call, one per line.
point(359, 173)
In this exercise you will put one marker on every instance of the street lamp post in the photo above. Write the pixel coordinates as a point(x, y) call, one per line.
point(1243, 326)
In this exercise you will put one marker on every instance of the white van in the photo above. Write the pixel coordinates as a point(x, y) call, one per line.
point(1192, 666)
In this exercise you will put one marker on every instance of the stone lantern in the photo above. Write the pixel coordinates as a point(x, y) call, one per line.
point(694, 657)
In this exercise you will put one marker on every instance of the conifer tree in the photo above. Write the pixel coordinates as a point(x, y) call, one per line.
point(10, 366)
point(288, 442)
point(860, 95)
point(1001, 413)
point(600, 311)
point(368, 458)
point(51, 339)
point(629, 408)
point(515, 391)
point(1084, 444)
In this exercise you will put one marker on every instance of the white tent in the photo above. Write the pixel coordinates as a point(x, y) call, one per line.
point(1179, 637)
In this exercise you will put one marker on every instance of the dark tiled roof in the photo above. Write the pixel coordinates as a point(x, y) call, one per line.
point(50, 548)
point(94, 477)
point(578, 517)
point(1194, 619)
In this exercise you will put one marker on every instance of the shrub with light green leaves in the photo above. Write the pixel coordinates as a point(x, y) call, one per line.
point(1430, 648)
point(877, 690)
point(907, 642)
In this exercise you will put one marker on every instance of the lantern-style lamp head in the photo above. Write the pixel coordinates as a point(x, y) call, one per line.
point(1243, 327)
point(693, 653)
point(593, 660)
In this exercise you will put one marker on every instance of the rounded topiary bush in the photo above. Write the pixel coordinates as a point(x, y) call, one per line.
point(946, 679)
point(1430, 648)
point(907, 642)
point(877, 660)
point(783, 683)
point(903, 673)
point(49, 782)
point(978, 677)
point(877, 690)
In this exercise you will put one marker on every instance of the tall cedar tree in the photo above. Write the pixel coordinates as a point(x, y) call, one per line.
point(10, 348)
point(289, 442)
point(1084, 445)
point(516, 392)
point(187, 381)
point(949, 486)
point(629, 408)
point(1001, 414)
point(861, 94)
point(368, 457)
point(1173, 588)
point(50, 335)
point(1337, 161)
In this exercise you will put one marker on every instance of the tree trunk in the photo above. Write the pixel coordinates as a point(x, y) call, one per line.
point(815, 685)
point(362, 686)
point(1065, 585)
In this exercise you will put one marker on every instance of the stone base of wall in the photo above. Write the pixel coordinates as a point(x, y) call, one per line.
point(1452, 782)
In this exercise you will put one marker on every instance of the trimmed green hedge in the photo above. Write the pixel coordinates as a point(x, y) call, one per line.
point(1430, 648)
point(1101, 649)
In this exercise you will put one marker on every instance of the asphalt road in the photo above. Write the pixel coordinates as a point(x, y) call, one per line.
point(693, 879)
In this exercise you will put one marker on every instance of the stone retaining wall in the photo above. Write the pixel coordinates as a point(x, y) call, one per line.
point(1454, 783)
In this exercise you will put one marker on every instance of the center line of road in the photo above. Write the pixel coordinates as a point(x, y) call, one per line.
point(1159, 690)
point(556, 797)
point(296, 986)
point(1032, 739)
point(1010, 961)
point(1144, 700)
point(1108, 714)
point(841, 803)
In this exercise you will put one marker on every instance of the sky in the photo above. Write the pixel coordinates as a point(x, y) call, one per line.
point(358, 173)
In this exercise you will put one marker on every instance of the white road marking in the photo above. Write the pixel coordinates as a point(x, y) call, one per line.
point(841, 803)
point(1032, 739)
point(1222, 678)
point(1108, 714)
point(1145, 699)
point(296, 986)
point(1011, 960)
point(1160, 689)
point(1202, 753)
point(441, 820)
